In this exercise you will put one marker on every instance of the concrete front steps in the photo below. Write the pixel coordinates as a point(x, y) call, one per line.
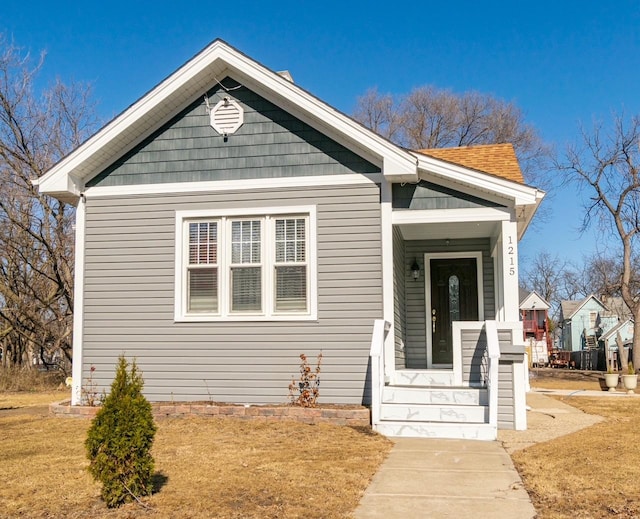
point(434, 411)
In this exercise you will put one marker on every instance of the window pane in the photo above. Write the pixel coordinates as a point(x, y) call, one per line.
point(246, 289)
point(235, 231)
point(454, 298)
point(290, 240)
point(279, 229)
point(202, 290)
point(300, 251)
point(245, 242)
point(203, 243)
point(291, 288)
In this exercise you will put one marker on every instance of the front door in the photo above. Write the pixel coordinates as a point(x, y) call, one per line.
point(454, 297)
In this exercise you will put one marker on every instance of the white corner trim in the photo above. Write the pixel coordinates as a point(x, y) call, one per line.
point(78, 304)
point(388, 305)
point(213, 186)
point(520, 380)
point(180, 314)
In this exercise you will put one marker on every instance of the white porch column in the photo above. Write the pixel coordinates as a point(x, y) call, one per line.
point(509, 274)
point(387, 278)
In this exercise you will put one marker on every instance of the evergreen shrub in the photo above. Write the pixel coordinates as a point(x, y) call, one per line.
point(120, 438)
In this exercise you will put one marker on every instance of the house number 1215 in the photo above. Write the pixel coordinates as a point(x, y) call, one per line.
point(511, 257)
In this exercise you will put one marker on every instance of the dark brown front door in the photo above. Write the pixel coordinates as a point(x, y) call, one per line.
point(454, 297)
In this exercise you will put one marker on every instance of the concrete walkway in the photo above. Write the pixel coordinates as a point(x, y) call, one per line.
point(429, 478)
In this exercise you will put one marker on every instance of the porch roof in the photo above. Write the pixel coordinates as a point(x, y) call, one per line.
point(496, 159)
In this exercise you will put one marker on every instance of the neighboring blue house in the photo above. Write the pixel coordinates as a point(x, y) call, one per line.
point(584, 322)
point(625, 328)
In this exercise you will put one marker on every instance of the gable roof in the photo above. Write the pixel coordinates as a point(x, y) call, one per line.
point(532, 301)
point(495, 159)
point(619, 326)
point(570, 308)
point(66, 180)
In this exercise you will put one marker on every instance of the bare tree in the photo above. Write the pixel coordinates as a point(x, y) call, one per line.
point(36, 236)
point(550, 277)
point(428, 117)
point(606, 165)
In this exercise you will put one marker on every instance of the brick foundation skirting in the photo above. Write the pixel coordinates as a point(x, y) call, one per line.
point(337, 415)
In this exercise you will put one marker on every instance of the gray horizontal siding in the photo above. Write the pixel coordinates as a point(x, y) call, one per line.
point(415, 333)
point(506, 402)
point(474, 359)
point(474, 371)
point(129, 301)
point(271, 143)
point(399, 299)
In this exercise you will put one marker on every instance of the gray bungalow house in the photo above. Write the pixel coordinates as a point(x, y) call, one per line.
point(229, 220)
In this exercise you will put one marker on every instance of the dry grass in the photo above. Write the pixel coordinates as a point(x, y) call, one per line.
point(19, 400)
point(29, 379)
point(593, 473)
point(206, 468)
point(549, 378)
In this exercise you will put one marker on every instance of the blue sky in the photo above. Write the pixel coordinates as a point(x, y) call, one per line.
point(561, 62)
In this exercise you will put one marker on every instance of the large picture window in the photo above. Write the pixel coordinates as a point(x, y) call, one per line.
point(245, 266)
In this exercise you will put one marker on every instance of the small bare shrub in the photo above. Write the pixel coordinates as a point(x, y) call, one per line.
point(89, 390)
point(305, 392)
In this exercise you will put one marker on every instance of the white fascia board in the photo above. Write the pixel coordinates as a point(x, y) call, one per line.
point(232, 185)
point(396, 161)
point(521, 194)
point(63, 187)
point(527, 213)
point(443, 216)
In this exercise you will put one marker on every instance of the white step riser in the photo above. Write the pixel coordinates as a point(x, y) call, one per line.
point(437, 430)
point(435, 413)
point(403, 395)
point(424, 378)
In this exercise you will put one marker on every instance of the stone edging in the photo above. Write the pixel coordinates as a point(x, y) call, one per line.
point(337, 415)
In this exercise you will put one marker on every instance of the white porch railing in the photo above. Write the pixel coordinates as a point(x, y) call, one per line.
point(493, 354)
point(380, 330)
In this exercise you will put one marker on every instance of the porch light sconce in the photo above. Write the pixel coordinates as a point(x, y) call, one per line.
point(415, 270)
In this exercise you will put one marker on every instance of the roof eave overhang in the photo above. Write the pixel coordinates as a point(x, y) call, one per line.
point(194, 78)
point(525, 199)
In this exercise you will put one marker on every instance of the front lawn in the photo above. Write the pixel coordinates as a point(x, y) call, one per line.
point(206, 467)
point(593, 473)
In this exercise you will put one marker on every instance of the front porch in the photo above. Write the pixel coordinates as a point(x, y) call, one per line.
point(449, 361)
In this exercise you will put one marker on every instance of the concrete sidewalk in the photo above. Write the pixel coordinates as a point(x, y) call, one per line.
point(430, 478)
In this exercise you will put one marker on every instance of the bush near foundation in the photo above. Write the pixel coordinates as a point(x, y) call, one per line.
point(120, 438)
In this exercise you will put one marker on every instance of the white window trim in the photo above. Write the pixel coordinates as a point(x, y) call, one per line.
point(224, 314)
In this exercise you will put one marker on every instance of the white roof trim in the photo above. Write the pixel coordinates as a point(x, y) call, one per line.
point(520, 193)
point(584, 302)
point(534, 296)
point(397, 162)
